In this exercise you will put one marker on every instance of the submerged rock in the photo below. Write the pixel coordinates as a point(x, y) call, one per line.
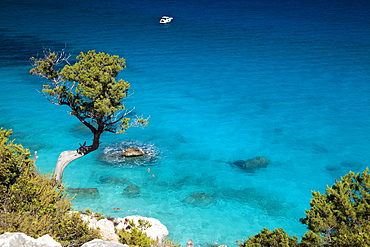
point(252, 164)
point(131, 191)
point(199, 200)
point(133, 152)
point(113, 180)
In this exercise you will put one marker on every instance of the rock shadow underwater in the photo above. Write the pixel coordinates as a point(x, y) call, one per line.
point(200, 199)
point(345, 167)
point(129, 189)
point(251, 165)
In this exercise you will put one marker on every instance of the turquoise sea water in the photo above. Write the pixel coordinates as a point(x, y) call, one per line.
point(225, 81)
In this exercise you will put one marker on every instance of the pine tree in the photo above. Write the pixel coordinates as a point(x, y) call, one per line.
point(341, 216)
point(90, 89)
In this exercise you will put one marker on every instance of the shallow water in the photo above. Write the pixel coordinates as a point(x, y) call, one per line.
point(225, 81)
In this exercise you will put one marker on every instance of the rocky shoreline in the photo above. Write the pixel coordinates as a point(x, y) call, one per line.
point(107, 227)
point(22, 240)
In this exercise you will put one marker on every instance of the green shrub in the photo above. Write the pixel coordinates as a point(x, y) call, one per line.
point(277, 237)
point(134, 236)
point(340, 217)
point(167, 243)
point(31, 203)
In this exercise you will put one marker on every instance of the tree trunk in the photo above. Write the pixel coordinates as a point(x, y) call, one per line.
point(64, 159)
point(67, 157)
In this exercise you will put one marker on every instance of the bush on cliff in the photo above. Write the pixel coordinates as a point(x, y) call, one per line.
point(340, 217)
point(134, 235)
point(31, 203)
point(277, 237)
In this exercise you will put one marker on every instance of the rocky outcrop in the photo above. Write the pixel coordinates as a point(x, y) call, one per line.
point(102, 243)
point(157, 231)
point(107, 230)
point(251, 165)
point(133, 152)
point(19, 239)
point(106, 227)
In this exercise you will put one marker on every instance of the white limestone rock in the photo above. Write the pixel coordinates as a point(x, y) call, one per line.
point(157, 231)
point(102, 243)
point(107, 230)
point(90, 220)
point(10, 239)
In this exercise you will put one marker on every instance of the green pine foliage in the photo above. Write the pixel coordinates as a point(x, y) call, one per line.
point(310, 239)
point(13, 161)
point(31, 203)
point(134, 235)
point(89, 88)
point(340, 217)
point(278, 237)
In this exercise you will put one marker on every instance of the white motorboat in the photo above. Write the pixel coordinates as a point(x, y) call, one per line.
point(165, 19)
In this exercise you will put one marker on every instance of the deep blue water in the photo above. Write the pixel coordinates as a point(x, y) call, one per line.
point(225, 81)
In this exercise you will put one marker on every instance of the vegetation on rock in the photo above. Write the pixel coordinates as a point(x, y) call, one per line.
point(277, 237)
point(134, 235)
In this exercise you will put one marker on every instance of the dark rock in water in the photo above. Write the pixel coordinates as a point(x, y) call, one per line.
point(199, 200)
point(133, 152)
point(113, 180)
point(332, 168)
point(131, 191)
point(85, 192)
point(252, 164)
